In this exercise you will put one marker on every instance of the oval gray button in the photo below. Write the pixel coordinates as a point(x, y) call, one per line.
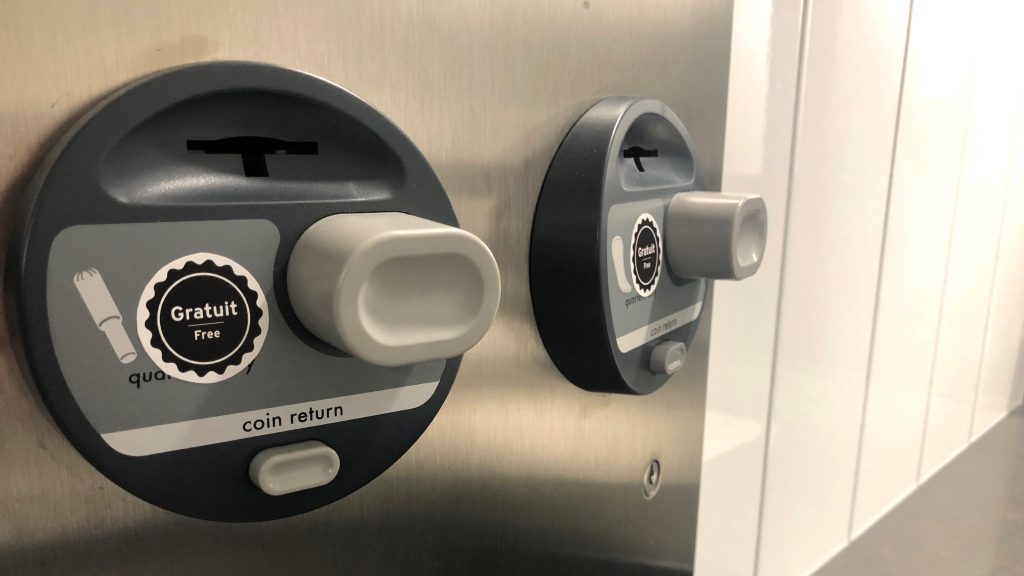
point(294, 467)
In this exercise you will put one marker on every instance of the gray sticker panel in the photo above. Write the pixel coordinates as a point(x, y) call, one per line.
point(636, 319)
point(120, 393)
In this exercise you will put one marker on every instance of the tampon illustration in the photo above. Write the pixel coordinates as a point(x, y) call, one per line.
point(104, 313)
point(619, 263)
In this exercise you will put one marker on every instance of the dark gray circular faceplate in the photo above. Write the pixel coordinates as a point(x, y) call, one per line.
point(203, 144)
point(606, 191)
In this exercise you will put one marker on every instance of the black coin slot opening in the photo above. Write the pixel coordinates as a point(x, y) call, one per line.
point(636, 153)
point(253, 150)
point(654, 154)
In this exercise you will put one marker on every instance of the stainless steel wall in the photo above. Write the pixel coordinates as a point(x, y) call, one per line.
point(521, 471)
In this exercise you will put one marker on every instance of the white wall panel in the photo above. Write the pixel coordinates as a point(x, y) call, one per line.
point(758, 145)
point(926, 169)
point(891, 332)
point(996, 387)
point(853, 63)
point(972, 257)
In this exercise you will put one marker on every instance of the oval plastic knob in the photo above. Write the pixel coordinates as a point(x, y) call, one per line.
point(714, 235)
point(393, 289)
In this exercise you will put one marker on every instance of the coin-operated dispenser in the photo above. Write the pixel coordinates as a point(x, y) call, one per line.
point(242, 292)
point(625, 241)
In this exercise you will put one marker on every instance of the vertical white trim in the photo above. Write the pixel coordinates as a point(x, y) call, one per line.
point(798, 98)
point(878, 282)
point(995, 268)
point(945, 278)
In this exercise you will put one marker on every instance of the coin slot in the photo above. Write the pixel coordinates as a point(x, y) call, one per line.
point(636, 153)
point(653, 155)
point(253, 150)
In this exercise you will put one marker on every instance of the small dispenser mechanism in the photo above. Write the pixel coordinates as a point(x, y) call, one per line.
point(625, 242)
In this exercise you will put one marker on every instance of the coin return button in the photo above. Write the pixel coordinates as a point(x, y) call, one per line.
point(294, 467)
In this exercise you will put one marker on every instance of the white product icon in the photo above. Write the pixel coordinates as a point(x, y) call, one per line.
point(104, 313)
point(619, 264)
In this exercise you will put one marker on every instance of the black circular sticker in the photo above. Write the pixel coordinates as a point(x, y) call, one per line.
point(202, 318)
point(645, 255)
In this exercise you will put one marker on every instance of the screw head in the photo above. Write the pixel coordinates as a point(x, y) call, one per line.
point(652, 479)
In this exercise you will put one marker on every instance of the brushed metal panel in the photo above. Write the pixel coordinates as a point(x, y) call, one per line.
point(521, 471)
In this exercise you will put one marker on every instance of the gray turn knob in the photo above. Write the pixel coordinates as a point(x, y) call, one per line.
point(714, 235)
point(393, 289)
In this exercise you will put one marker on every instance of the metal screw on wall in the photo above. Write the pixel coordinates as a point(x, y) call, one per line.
point(652, 479)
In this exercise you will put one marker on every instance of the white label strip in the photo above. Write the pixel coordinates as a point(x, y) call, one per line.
point(640, 336)
point(192, 433)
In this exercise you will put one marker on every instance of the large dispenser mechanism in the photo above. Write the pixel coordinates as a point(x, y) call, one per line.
point(242, 291)
point(625, 242)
